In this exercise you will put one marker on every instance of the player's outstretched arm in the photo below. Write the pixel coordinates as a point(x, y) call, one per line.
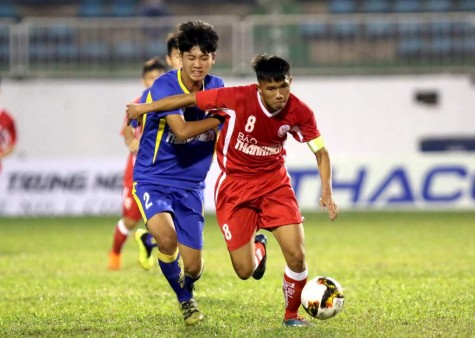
point(184, 130)
point(167, 103)
point(324, 167)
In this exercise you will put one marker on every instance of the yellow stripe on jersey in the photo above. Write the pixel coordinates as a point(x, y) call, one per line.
point(161, 129)
point(144, 116)
point(316, 144)
point(180, 82)
point(139, 204)
point(182, 85)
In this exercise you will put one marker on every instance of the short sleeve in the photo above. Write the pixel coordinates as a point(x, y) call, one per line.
point(218, 98)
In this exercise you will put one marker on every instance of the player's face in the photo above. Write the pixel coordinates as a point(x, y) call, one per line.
point(174, 59)
point(275, 94)
point(196, 65)
point(150, 76)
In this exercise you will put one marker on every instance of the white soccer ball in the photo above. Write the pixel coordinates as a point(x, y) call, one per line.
point(322, 297)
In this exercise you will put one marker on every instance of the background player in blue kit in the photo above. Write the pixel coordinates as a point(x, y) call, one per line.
point(172, 163)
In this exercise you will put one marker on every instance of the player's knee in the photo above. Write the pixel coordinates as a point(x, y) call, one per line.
point(194, 269)
point(296, 262)
point(168, 246)
point(243, 272)
point(129, 222)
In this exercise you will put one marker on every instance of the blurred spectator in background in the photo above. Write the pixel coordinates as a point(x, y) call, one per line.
point(7, 133)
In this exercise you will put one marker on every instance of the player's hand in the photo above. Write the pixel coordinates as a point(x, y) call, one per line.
point(132, 111)
point(328, 203)
point(133, 145)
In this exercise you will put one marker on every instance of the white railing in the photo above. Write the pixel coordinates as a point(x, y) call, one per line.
point(315, 44)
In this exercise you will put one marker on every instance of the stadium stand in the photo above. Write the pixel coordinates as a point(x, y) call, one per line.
point(8, 9)
point(316, 35)
point(407, 6)
point(342, 6)
point(91, 8)
point(376, 6)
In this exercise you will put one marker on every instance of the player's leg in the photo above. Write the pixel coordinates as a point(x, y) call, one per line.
point(118, 239)
point(249, 260)
point(156, 204)
point(145, 241)
point(278, 209)
point(129, 220)
point(193, 265)
point(121, 233)
point(161, 226)
point(193, 269)
point(189, 224)
point(291, 242)
point(247, 251)
point(238, 219)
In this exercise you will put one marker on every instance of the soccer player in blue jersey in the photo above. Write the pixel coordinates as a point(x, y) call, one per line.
point(131, 133)
point(146, 243)
point(172, 163)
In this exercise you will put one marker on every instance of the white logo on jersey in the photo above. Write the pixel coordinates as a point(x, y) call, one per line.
point(208, 136)
point(249, 146)
point(283, 130)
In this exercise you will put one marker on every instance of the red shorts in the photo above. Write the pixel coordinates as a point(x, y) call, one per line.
point(245, 205)
point(129, 206)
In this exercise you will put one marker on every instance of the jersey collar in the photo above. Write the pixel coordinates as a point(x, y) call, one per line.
point(264, 109)
point(182, 85)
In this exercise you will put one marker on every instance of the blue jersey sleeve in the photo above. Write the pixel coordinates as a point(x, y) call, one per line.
point(143, 98)
point(163, 87)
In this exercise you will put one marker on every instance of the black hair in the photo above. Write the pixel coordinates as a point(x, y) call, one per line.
point(154, 63)
point(172, 43)
point(270, 68)
point(197, 33)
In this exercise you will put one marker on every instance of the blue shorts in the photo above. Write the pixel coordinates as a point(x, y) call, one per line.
point(185, 206)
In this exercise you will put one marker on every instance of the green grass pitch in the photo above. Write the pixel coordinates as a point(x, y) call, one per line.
point(405, 274)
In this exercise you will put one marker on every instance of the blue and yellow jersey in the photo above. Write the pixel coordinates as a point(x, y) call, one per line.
point(164, 160)
point(141, 99)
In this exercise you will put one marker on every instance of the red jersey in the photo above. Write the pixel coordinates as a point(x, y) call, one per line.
point(129, 167)
point(7, 131)
point(252, 139)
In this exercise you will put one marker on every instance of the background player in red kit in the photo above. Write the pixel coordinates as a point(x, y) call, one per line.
point(253, 190)
point(7, 134)
point(131, 215)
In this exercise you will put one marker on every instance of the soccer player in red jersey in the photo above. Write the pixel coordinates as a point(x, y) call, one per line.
point(7, 134)
point(131, 215)
point(253, 191)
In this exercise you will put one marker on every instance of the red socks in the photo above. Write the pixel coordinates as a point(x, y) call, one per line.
point(119, 237)
point(292, 286)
